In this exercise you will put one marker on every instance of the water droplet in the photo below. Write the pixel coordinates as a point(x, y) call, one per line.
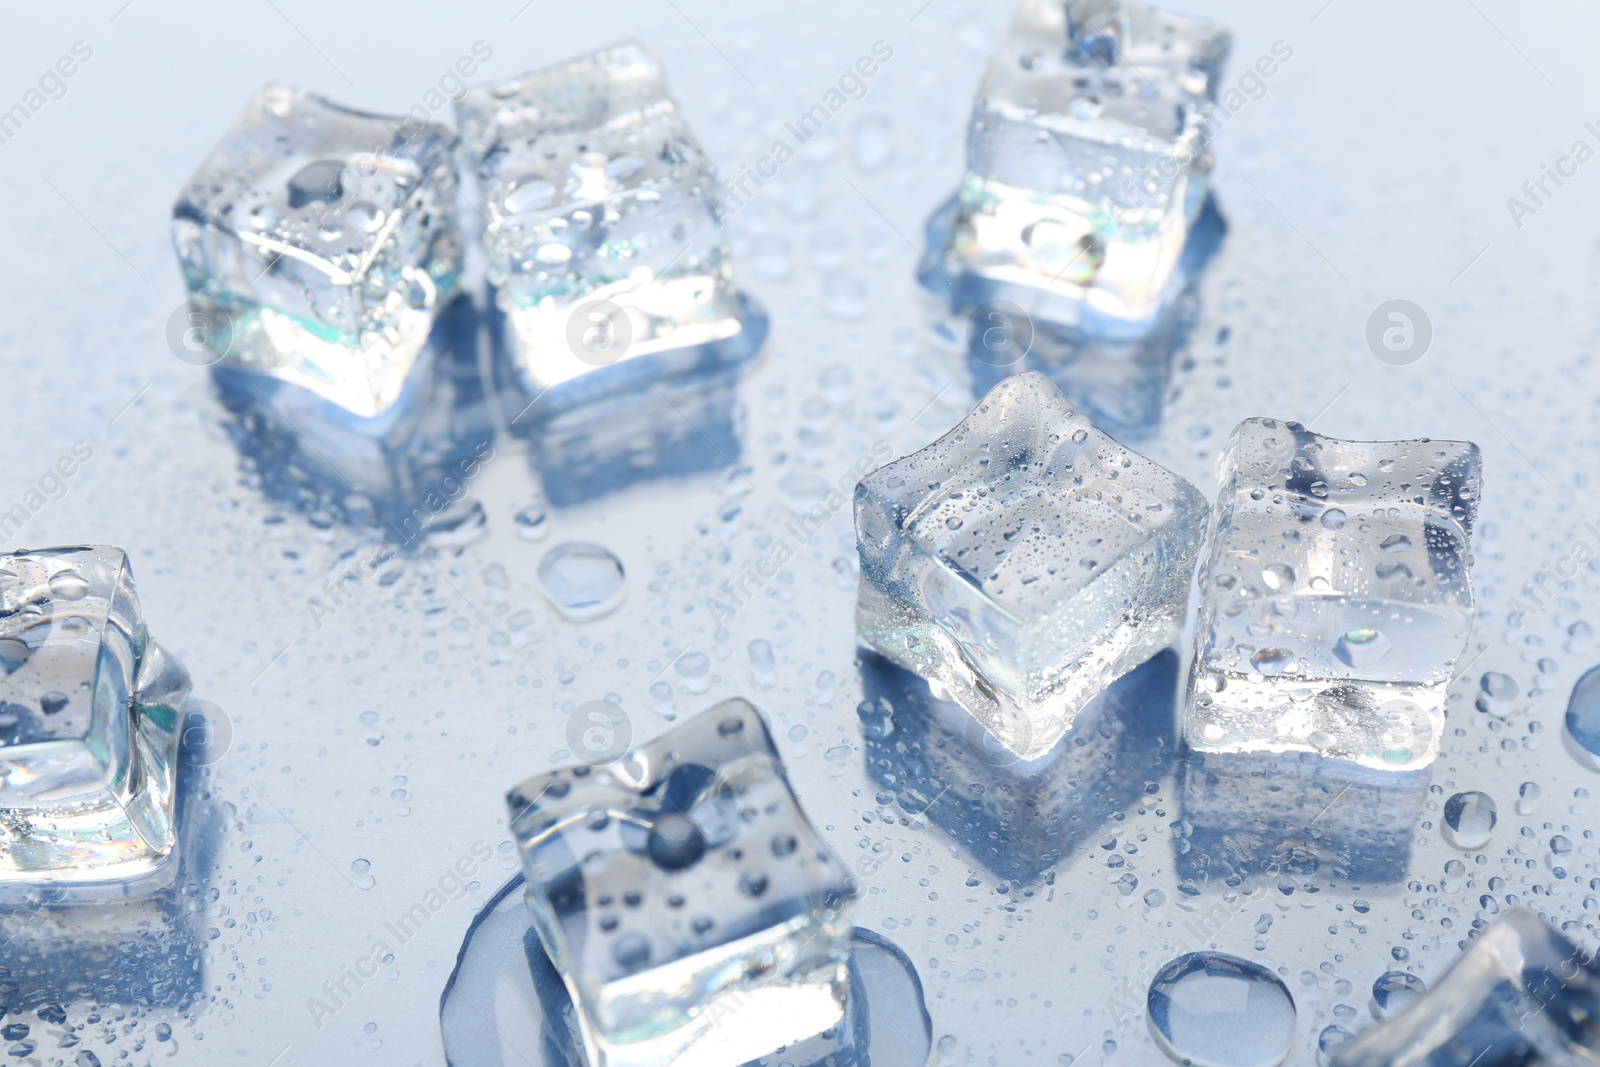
point(1394, 992)
point(1361, 648)
point(695, 670)
point(1528, 798)
point(1395, 543)
point(675, 842)
point(362, 870)
point(320, 181)
point(583, 580)
point(1583, 719)
point(1279, 577)
point(631, 951)
point(1271, 660)
point(69, 585)
point(530, 194)
point(533, 522)
point(1333, 519)
point(1469, 820)
point(763, 665)
point(1207, 1007)
point(13, 654)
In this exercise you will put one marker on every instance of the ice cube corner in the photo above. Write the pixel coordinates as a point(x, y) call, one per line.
point(1024, 561)
point(695, 915)
point(1335, 597)
point(89, 726)
point(328, 238)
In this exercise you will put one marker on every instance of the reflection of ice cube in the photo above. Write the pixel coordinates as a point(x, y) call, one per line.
point(1335, 598)
point(88, 725)
point(1024, 561)
point(603, 240)
point(687, 937)
point(1086, 160)
point(1521, 995)
point(329, 238)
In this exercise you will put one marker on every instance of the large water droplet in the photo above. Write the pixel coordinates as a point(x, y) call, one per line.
point(1361, 648)
point(1394, 992)
point(320, 181)
point(13, 654)
point(675, 842)
point(1469, 820)
point(1583, 719)
point(1210, 1008)
point(583, 580)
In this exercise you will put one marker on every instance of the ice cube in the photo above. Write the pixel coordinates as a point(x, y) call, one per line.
point(1335, 598)
point(1086, 155)
point(88, 724)
point(329, 239)
point(1024, 561)
point(695, 915)
point(603, 240)
point(1521, 995)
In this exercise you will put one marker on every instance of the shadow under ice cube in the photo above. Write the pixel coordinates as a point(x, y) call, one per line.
point(1024, 561)
point(1336, 597)
point(695, 915)
point(603, 240)
point(328, 238)
point(1086, 155)
point(88, 726)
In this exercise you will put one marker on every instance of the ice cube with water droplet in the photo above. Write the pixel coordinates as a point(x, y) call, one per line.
point(1024, 561)
point(89, 731)
point(1521, 995)
point(328, 236)
point(1360, 619)
point(694, 913)
point(1087, 156)
point(603, 237)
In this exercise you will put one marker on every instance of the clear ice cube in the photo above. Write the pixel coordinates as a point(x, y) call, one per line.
point(89, 724)
point(1024, 561)
point(1335, 598)
point(1522, 995)
point(695, 915)
point(1086, 154)
point(329, 238)
point(603, 239)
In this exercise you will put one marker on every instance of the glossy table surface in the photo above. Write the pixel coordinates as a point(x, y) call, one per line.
point(363, 742)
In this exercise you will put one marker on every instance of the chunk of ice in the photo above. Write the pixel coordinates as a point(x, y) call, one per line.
point(1335, 598)
point(695, 915)
point(1024, 561)
point(89, 712)
point(1086, 154)
point(603, 238)
point(1521, 995)
point(328, 237)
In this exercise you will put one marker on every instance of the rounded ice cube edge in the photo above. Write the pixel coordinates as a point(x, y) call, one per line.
point(1026, 651)
point(692, 910)
point(1336, 596)
point(121, 839)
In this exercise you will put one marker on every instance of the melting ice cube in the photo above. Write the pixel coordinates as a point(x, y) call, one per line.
point(603, 239)
point(1024, 561)
point(1086, 154)
point(695, 915)
point(88, 724)
point(1335, 597)
point(328, 237)
point(1521, 995)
